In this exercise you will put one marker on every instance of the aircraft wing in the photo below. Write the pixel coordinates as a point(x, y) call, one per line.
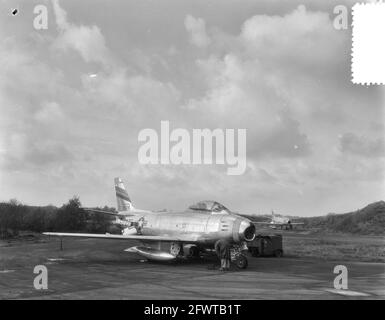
point(122, 237)
point(108, 212)
point(278, 223)
point(100, 211)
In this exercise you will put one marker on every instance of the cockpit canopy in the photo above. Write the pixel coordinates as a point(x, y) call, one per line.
point(209, 207)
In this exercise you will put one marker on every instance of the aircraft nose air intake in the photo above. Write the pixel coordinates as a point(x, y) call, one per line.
point(243, 231)
point(247, 229)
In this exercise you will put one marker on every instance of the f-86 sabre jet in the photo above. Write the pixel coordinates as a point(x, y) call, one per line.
point(280, 222)
point(167, 236)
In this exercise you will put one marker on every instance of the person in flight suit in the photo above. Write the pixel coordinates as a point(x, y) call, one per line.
point(222, 249)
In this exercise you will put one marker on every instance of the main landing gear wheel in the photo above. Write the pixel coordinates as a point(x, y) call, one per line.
point(241, 262)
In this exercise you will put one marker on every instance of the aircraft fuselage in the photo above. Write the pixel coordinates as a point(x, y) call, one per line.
point(204, 227)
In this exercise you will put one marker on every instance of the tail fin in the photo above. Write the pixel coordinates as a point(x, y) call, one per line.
point(122, 198)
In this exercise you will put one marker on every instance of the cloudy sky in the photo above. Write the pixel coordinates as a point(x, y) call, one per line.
point(73, 99)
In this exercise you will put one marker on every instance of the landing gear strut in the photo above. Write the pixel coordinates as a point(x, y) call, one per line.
point(238, 258)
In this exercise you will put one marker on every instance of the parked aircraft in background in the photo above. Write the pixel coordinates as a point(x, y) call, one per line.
point(280, 222)
point(169, 236)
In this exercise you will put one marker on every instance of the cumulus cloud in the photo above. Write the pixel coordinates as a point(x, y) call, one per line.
point(361, 145)
point(139, 100)
point(49, 113)
point(30, 120)
point(280, 78)
point(88, 41)
point(245, 91)
point(197, 29)
point(285, 77)
point(301, 36)
point(25, 152)
point(53, 117)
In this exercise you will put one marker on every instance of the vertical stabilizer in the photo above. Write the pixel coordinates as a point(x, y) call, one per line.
point(123, 200)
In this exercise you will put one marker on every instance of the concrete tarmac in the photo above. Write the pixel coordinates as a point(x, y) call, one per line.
point(99, 269)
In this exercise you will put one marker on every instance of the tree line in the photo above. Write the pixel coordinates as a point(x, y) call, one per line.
point(70, 217)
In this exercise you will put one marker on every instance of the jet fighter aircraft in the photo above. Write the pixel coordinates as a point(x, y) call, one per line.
point(282, 222)
point(167, 236)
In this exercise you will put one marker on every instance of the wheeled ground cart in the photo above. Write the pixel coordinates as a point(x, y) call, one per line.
point(266, 245)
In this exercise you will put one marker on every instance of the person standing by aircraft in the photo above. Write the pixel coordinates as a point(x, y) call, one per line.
point(222, 248)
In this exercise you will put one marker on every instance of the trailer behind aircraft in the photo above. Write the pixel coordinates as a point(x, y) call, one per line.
point(266, 245)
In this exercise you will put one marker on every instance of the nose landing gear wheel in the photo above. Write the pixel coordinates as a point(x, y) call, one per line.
point(241, 262)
